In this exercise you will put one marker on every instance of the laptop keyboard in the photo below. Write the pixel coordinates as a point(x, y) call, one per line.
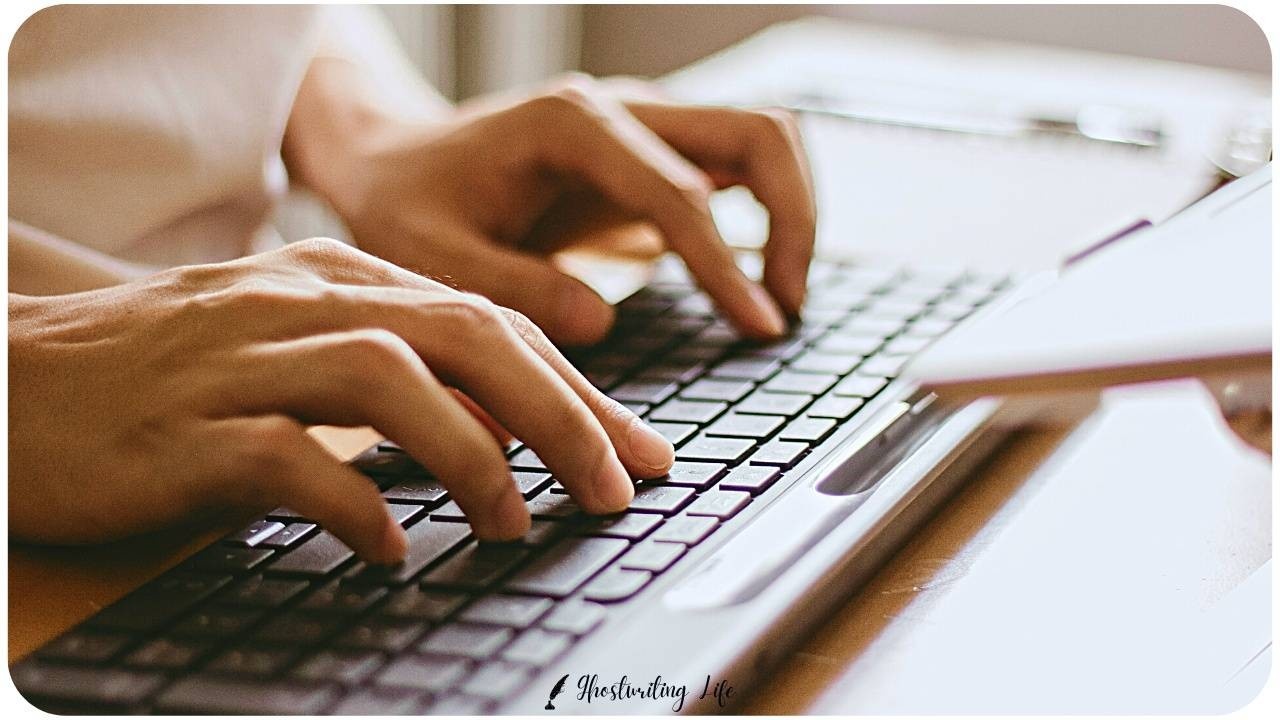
point(280, 617)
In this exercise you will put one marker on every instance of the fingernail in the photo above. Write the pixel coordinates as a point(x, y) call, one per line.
point(650, 447)
point(613, 489)
point(394, 542)
point(769, 316)
point(509, 517)
point(583, 316)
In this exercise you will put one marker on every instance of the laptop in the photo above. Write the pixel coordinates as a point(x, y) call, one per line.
point(802, 465)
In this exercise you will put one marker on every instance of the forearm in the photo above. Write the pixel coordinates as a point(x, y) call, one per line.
point(44, 264)
point(358, 90)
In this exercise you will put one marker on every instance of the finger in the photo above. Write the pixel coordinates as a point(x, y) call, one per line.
point(468, 343)
point(499, 433)
point(372, 377)
point(598, 141)
point(277, 452)
point(643, 451)
point(569, 310)
point(762, 150)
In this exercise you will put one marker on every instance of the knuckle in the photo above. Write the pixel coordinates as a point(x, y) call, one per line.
point(380, 349)
point(474, 316)
point(318, 249)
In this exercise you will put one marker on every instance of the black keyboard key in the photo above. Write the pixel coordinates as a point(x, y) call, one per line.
point(291, 535)
point(858, 385)
point(477, 566)
point(906, 345)
point(835, 407)
point(256, 532)
point(343, 598)
point(616, 584)
point(722, 504)
point(754, 479)
point(827, 364)
point(260, 592)
point(428, 542)
point(554, 506)
point(430, 673)
point(531, 483)
point(384, 634)
point(537, 647)
point(378, 701)
point(762, 402)
point(686, 529)
point(673, 373)
point(566, 566)
point(496, 680)
point(883, 365)
point(449, 512)
point(254, 661)
point(928, 327)
point(871, 326)
point(652, 556)
point(715, 449)
point(717, 390)
point(687, 473)
point(227, 696)
point(527, 459)
point(675, 433)
point(745, 426)
point(419, 604)
point(630, 526)
point(158, 602)
point(747, 368)
point(542, 532)
point(228, 559)
point(340, 666)
point(84, 647)
point(515, 611)
point(217, 622)
point(808, 429)
point(781, 350)
point(421, 492)
point(651, 392)
point(575, 617)
point(847, 345)
point(168, 654)
point(664, 499)
point(801, 383)
point(91, 685)
point(691, 411)
point(779, 452)
point(477, 642)
point(319, 556)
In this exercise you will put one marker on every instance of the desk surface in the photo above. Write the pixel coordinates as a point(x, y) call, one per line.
point(900, 638)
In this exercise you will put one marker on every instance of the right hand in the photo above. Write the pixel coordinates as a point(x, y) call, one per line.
point(134, 406)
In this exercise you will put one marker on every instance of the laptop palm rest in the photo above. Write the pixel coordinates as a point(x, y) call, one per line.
point(765, 549)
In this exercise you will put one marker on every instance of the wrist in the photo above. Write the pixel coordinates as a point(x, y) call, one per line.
point(336, 132)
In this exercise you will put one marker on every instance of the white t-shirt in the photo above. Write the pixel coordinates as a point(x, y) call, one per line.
point(153, 133)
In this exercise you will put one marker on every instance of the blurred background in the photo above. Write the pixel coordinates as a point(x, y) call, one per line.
point(470, 49)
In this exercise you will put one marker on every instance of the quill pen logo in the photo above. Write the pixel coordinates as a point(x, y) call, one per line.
point(555, 691)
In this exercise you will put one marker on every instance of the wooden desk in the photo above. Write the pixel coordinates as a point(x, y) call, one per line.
point(1210, 496)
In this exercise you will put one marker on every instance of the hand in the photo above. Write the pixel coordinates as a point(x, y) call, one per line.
point(134, 406)
point(473, 200)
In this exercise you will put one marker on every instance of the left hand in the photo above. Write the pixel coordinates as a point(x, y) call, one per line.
point(482, 199)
